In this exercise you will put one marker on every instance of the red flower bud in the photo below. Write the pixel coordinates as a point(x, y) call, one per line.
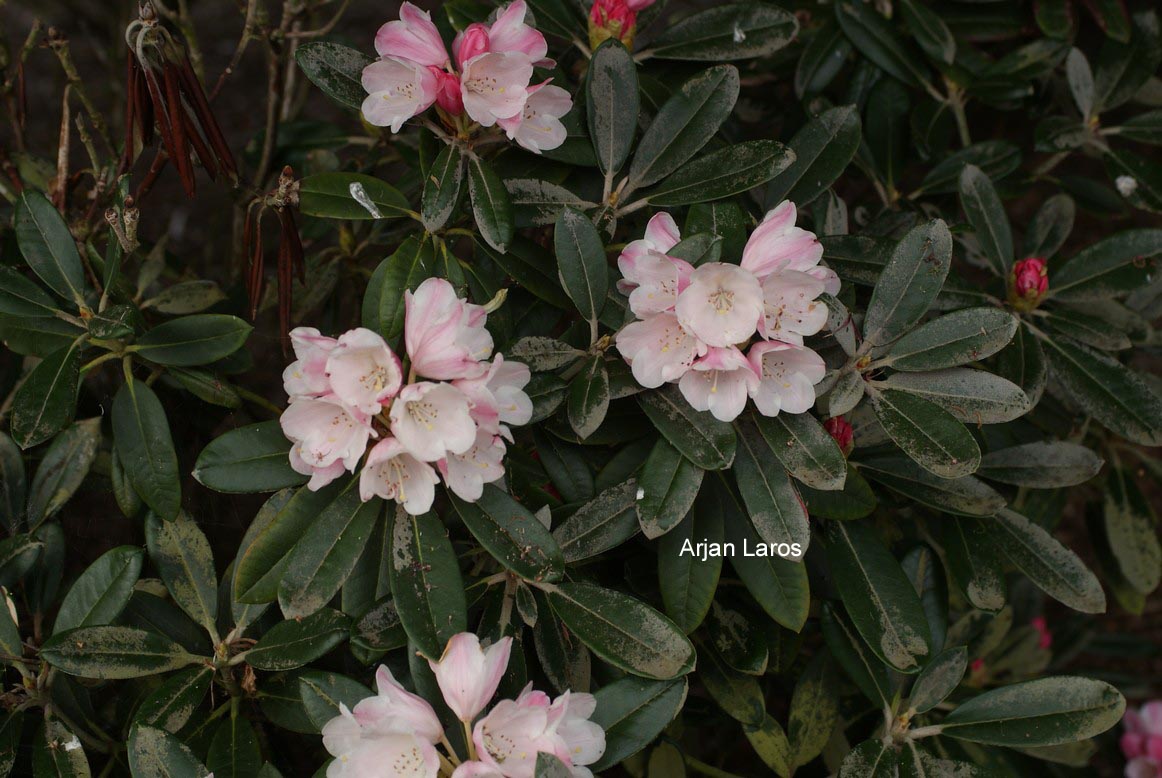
point(448, 97)
point(471, 43)
point(614, 19)
point(1028, 283)
point(1039, 624)
point(840, 429)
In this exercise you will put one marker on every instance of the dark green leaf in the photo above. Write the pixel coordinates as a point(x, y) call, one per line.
point(668, 484)
point(986, 214)
point(957, 338)
point(335, 69)
point(155, 753)
point(48, 246)
point(611, 104)
point(193, 340)
point(1042, 464)
point(47, 400)
point(1118, 264)
point(938, 679)
point(65, 466)
point(877, 40)
point(823, 148)
point(909, 283)
point(491, 206)
point(234, 751)
point(976, 566)
point(698, 436)
point(687, 582)
point(634, 711)
point(334, 196)
point(1131, 531)
point(581, 264)
point(512, 535)
point(246, 460)
point(774, 507)
point(297, 642)
point(602, 524)
point(172, 705)
point(145, 448)
point(931, 436)
point(723, 173)
point(589, 397)
point(727, 32)
point(965, 496)
point(442, 188)
point(182, 555)
point(101, 592)
point(425, 579)
point(113, 653)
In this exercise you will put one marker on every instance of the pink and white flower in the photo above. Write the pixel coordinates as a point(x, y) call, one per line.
point(432, 420)
point(414, 37)
point(720, 382)
point(791, 309)
point(498, 396)
point(363, 371)
point(777, 244)
point(392, 732)
point(538, 126)
point(445, 336)
point(722, 304)
point(494, 86)
point(397, 89)
point(307, 375)
point(468, 675)
point(515, 731)
point(327, 436)
point(658, 349)
point(467, 473)
point(787, 377)
point(393, 473)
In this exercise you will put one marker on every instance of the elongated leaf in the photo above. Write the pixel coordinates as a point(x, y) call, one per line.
point(623, 631)
point(698, 436)
point(775, 508)
point(823, 148)
point(264, 551)
point(145, 448)
point(1052, 567)
point(633, 711)
point(957, 338)
point(21, 297)
point(403, 271)
point(814, 711)
point(47, 400)
point(234, 750)
point(970, 396)
point(1120, 263)
point(866, 669)
point(112, 653)
point(491, 206)
point(172, 705)
point(1131, 531)
point(48, 246)
point(870, 759)
point(442, 188)
point(1042, 712)
point(965, 496)
point(182, 555)
point(779, 585)
point(321, 561)
point(996, 158)
point(668, 484)
point(938, 679)
point(931, 436)
point(739, 695)
point(581, 262)
point(877, 40)
point(58, 753)
point(65, 466)
point(513, 535)
point(1106, 389)
point(346, 195)
point(194, 340)
point(880, 599)
point(727, 32)
point(729, 171)
point(589, 397)
point(1043, 464)
point(804, 448)
point(611, 104)
point(101, 592)
point(297, 642)
point(684, 124)
point(603, 523)
point(425, 579)
point(930, 30)
point(335, 69)
point(246, 460)
point(687, 581)
point(975, 566)
point(909, 283)
point(987, 216)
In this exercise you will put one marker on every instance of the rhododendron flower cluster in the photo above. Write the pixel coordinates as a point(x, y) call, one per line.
point(1142, 741)
point(487, 77)
point(396, 732)
point(447, 420)
point(696, 324)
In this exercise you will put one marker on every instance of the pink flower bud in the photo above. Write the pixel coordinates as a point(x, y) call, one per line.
point(977, 667)
point(468, 675)
point(448, 95)
point(841, 431)
point(1039, 624)
point(471, 43)
point(1028, 283)
point(614, 19)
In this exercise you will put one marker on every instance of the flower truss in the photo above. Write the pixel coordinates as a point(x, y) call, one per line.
point(447, 420)
point(396, 732)
point(695, 325)
point(487, 77)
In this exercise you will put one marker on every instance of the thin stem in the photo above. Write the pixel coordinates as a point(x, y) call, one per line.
point(468, 739)
point(923, 732)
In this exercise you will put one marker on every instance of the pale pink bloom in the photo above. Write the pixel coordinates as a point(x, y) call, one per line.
point(494, 86)
point(498, 396)
point(467, 473)
point(661, 236)
point(719, 382)
point(827, 277)
point(538, 127)
point(326, 435)
point(658, 349)
point(363, 371)
point(777, 244)
point(1142, 741)
point(515, 731)
point(476, 770)
point(432, 421)
point(509, 33)
point(722, 304)
point(414, 37)
point(468, 675)
point(787, 377)
point(398, 89)
point(392, 473)
point(790, 308)
point(307, 375)
point(392, 733)
point(445, 336)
